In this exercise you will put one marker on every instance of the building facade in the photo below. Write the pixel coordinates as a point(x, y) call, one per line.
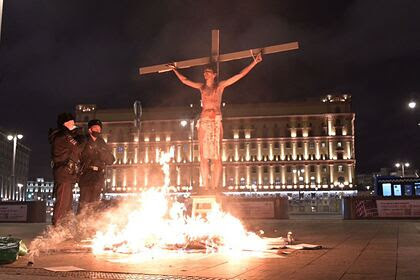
point(8, 189)
point(294, 149)
point(42, 190)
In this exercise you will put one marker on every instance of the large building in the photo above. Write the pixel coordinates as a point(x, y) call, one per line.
point(295, 148)
point(42, 190)
point(13, 187)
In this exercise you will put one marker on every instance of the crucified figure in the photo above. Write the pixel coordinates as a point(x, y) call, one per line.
point(210, 130)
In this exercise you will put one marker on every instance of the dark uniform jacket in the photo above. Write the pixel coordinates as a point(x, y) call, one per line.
point(65, 154)
point(96, 155)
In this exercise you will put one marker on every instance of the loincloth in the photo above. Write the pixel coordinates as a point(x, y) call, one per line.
point(209, 131)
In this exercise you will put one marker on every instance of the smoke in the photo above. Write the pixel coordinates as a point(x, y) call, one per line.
point(74, 229)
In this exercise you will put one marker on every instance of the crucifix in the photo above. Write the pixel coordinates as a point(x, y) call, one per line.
point(210, 130)
point(216, 57)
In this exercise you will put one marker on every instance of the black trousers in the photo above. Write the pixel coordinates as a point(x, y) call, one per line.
point(91, 184)
point(63, 200)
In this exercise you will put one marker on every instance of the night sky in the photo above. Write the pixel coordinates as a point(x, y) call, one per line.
point(55, 54)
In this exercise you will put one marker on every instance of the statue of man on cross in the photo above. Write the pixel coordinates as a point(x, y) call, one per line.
point(210, 130)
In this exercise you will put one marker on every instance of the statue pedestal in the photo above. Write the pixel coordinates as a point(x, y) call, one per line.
point(203, 204)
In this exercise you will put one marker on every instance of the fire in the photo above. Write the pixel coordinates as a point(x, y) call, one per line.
point(155, 223)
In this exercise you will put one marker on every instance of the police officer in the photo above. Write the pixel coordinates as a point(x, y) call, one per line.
point(65, 156)
point(96, 154)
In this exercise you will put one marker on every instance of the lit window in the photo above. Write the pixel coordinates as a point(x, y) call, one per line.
point(340, 168)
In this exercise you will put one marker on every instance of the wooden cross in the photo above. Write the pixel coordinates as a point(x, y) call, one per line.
point(216, 57)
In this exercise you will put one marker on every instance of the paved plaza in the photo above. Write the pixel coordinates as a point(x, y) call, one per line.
point(378, 249)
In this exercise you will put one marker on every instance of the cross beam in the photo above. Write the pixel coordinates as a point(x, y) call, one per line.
point(216, 57)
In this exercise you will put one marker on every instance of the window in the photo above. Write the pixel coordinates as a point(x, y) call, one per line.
point(242, 145)
point(323, 144)
point(338, 131)
point(397, 190)
point(324, 169)
point(276, 145)
point(289, 169)
point(265, 169)
point(417, 188)
point(265, 145)
point(408, 190)
point(337, 122)
point(311, 145)
point(253, 145)
point(254, 169)
point(386, 189)
point(340, 168)
point(312, 168)
point(265, 132)
point(288, 145)
point(299, 144)
point(339, 144)
point(277, 168)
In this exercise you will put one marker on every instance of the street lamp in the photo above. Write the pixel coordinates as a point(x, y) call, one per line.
point(412, 104)
point(299, 174)
point(402, 165)
point(184, 123)
point(14, 138)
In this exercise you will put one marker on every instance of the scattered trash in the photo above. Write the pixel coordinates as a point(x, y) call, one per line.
point(303, 246)
point(63, 268)
point(10, 249)
point(285, 252)
point(290, 238)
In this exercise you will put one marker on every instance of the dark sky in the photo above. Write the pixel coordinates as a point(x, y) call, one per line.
point(55, 54)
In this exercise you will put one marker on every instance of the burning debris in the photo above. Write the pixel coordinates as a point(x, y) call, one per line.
point(150, 225)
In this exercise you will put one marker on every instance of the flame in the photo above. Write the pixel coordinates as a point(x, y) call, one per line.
point(155, 223)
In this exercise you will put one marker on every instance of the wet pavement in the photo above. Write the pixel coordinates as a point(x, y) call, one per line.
point(378, 249)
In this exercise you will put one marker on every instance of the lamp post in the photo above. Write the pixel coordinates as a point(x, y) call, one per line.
point(402, 165)
point(299, 173)
point(192, 122)
point(1, 15)
point(412, 105)
point(14, 138)
point(184, 123)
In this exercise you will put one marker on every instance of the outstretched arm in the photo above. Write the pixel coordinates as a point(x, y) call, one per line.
point(184, 79)
point(241, 74)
